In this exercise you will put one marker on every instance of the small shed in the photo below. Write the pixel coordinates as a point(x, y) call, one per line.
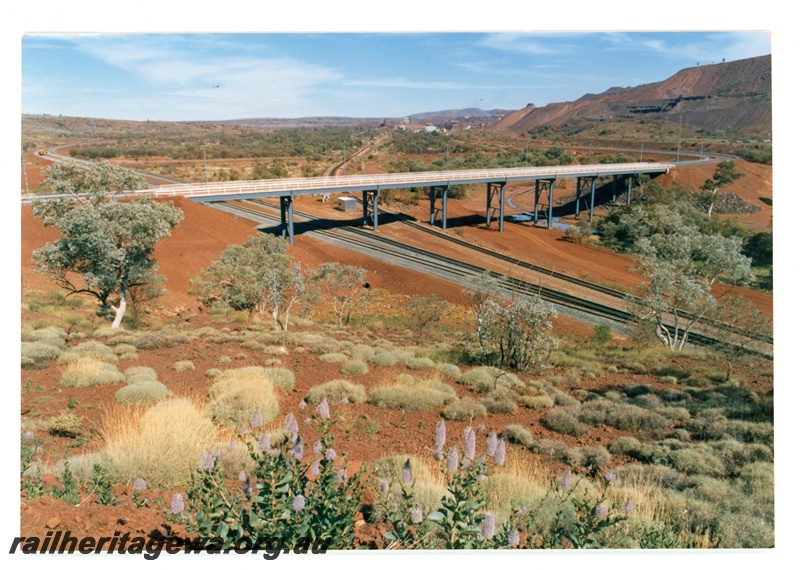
point(347, 204)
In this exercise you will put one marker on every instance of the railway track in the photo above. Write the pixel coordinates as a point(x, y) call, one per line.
point(560, 276)
point(442, 266)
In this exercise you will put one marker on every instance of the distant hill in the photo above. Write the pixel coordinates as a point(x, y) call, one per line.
point(731, 97)
point(457, 114)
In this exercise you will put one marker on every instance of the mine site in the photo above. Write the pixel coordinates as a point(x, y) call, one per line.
point(544, 327)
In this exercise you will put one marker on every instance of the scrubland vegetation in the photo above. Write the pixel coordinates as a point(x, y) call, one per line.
point(249, 421)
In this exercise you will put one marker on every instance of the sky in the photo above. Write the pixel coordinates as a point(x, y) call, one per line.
point(219, 76)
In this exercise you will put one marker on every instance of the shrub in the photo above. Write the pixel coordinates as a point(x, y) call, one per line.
point(464, 410)
point(65, 425)
point(591, 458)
point(88, 371)
point(54, 336)
point(213, 372)
point(499, 402)
point(564, 420)
point(419, 363)
point(626, 445)
point(153, 341)
point(238, 393)
point(536, 402)
point(362, 352)
point(162, 445)
point(91, 349)
point(354, 368)
point(283, 378)
point(516, 433)
point(142, 393)
point(183, 366)
point(335, 391)
point(421, 396)
point(487, 378)
point(697, 461)
point(333, 357)
point(136, 374)
point(449, 370)
point(384, 358)
point(39, 351)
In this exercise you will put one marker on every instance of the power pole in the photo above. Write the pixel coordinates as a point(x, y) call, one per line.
point(25, 173)
point(205, 164)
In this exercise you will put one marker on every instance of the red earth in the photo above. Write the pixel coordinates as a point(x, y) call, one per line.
point(203, 235)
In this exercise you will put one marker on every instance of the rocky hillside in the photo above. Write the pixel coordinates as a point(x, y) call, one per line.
point(732, 97)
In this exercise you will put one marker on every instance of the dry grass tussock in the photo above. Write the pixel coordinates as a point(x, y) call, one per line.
point(238, 393)
point(522, 481)
point(162, 444)
point(90, 371)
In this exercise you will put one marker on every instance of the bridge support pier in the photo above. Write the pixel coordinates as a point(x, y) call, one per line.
point(630, 182)
point(497, 189)
point(438, 192)
point(583, 182)
point(369, 198)
point(540, 186)
point(287, 218)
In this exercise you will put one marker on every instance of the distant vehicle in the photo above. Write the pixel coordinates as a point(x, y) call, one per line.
point(42, 152)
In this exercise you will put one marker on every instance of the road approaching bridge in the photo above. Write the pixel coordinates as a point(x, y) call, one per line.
point(438, 183)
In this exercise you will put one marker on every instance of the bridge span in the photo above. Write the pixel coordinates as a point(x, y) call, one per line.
point(438, 183)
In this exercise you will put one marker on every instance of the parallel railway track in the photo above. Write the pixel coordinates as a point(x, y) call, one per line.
point(455, 270)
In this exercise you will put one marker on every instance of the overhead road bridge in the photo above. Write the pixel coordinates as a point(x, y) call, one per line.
point(437, 182)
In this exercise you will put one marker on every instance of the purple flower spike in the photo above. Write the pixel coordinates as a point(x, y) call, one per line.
point(242, 476)
point(176, 504)
point(299, 503)
point(28, 435)
point(256, 419)
point(469, 443)
point(290, 424)
point(263, 442)
point(500, 453)
point(317, 447)
point(627, 507)
point(330, 454)
point(208, 461)
point(297, 451)
point(406, 476)
point(491, 443)
point(566, 479)
point(487, 527)
point(441, 435)
point(314, 470)
point(611, 476)
point(452, 459)
point(383, 485)
point(600, 512)
point(416, 515)
point(302, 405)
point(513, 537)
point(341, 476)
point(139, 485)
point(324, 410)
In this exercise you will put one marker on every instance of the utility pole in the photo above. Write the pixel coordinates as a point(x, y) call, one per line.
point(25, 173)
point(205, 164)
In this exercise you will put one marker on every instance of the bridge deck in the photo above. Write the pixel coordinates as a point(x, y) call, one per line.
point(371, 182)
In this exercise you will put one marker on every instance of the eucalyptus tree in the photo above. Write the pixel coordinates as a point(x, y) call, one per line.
point(681, 267)
point(257, 275)
point(108, 239)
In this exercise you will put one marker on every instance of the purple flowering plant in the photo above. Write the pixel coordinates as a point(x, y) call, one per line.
point(284, 495)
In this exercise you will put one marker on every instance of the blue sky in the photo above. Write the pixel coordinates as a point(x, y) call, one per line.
point(208, 76)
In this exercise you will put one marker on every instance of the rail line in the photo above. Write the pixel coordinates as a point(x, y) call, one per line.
point(447, 268)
